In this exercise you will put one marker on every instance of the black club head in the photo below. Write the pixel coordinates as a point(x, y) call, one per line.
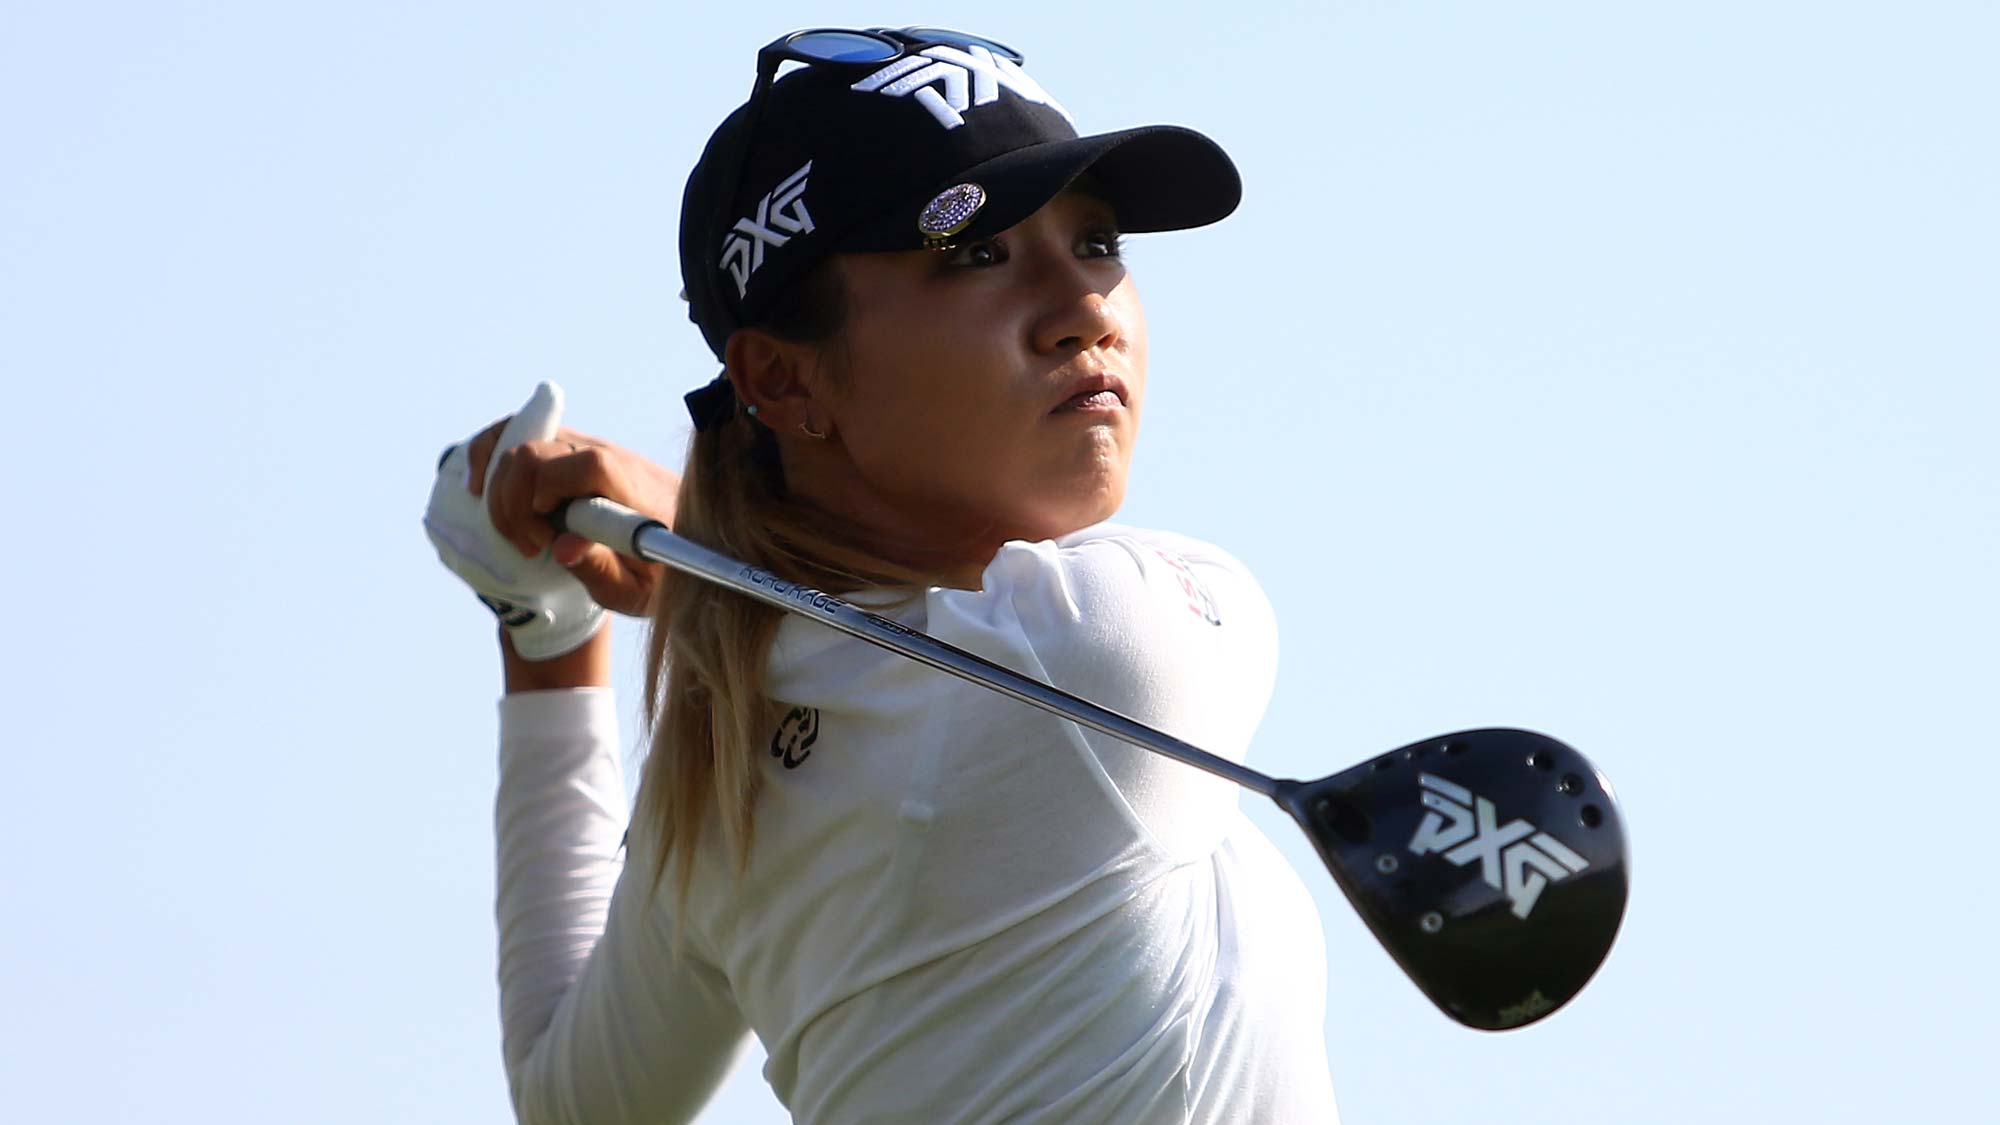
point(1490, 863)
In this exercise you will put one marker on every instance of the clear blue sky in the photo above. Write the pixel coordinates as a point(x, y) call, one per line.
point(1626, 372)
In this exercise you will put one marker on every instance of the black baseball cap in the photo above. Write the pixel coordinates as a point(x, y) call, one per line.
point(945, 144)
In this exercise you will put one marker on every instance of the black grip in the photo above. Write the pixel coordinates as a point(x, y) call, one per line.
point(557, 516)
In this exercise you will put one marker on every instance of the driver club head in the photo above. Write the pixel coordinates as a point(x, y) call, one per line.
point(1491, 864)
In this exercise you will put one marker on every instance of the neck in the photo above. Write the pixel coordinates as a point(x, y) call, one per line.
point(954, 547)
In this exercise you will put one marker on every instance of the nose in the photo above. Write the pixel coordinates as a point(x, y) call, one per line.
point(1080, 316)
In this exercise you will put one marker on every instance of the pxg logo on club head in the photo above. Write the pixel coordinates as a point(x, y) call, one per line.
point(1504, 923)
point(1515, 858)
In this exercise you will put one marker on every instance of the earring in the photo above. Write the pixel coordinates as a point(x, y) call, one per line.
point(751, 410)
point(811, 433)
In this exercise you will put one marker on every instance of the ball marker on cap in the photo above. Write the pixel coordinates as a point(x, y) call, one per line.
point(949, 213)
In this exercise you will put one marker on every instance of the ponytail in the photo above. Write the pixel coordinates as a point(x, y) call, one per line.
point(707, 716)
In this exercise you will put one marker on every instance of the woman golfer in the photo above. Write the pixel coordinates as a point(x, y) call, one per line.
point(929, 902)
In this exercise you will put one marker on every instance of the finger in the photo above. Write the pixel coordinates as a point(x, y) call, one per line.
point(614, 582)
point(478, 455)
point(578, 436)
point(537, 420)
point(586, 470)
point(509, 494)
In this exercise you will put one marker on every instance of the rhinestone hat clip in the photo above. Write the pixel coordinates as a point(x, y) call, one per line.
point(949, 213)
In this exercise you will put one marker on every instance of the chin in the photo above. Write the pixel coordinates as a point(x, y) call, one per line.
point(1092, 504)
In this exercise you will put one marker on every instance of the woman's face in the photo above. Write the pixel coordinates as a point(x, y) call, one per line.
point(991, 392)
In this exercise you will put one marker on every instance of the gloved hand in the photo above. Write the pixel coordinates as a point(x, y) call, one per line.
point(546, 611)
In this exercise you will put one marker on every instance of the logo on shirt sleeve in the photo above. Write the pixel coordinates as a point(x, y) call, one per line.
point(793, 742)
point(1199, 601)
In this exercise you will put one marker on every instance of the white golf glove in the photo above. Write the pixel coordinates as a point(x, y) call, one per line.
point(546, 611)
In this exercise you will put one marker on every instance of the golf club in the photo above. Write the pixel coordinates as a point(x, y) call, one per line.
point(1498, 922)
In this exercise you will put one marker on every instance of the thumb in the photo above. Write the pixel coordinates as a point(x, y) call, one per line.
point(609, 581)
point(537, 420)
point(569, 548)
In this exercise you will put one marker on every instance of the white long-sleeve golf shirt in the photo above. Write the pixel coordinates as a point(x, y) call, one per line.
point(957, 908)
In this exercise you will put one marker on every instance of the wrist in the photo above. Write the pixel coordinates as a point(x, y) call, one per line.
point(588, 665)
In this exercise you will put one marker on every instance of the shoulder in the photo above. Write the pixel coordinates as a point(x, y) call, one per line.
point(1129, 616)
point(1164, 628)
point(1118, 574)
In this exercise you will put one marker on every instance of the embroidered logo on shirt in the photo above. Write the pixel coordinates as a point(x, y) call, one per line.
point(1200, 603)
point(793, 742)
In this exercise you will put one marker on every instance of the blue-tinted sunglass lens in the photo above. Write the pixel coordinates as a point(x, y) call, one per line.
point(962, 39)
point(842, 46)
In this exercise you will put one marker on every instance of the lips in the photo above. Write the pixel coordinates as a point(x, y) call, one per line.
point(1092, 393)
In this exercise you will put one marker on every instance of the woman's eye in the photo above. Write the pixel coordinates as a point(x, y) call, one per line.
point(1103, 244)
point(975, 254)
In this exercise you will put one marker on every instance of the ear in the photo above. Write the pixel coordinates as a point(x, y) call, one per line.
point(773, 375)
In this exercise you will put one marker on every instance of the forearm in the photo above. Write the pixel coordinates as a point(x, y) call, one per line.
point(601, 1022)
point(588, 666)
point(558, 815)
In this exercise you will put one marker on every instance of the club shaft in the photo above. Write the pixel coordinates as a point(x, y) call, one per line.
point(636, 535)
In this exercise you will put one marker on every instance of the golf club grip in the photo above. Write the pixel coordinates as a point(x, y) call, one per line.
point(603, 521)
point(642, 537)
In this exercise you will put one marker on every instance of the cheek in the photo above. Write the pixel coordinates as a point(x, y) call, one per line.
point(1132, 314)
point(936, 372)
point(926, 408)
point(1124, 298)
point(937, 432)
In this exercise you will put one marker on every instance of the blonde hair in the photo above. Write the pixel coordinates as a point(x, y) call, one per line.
point(708, 716)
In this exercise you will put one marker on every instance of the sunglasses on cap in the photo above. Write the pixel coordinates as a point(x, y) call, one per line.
point(845, 47)
point(875, 45)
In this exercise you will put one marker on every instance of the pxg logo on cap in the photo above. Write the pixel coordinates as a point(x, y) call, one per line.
point(783, 209)
point(923, 75)
point(948, 82)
